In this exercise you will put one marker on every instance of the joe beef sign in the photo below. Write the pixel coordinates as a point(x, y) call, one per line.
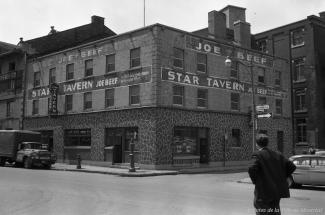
point(124, 78)
point(218, 83)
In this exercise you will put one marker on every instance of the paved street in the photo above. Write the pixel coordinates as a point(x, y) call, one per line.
point(39, 192)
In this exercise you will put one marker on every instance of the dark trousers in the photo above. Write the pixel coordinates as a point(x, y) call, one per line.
point(267, 207)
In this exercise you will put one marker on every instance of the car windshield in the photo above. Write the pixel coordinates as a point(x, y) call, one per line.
point(33, 145)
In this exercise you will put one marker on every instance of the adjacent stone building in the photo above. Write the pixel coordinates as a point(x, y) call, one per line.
point(164, 89)
point(302, 42)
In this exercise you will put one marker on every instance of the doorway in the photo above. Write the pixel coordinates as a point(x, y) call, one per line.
point(280, 141)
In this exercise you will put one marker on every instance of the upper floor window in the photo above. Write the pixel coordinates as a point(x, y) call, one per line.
point(234, 101)
point(52, 75)
point(110, 63)
point(178, 57)
point(235, 137)
point(10, 105)
point(297, 37)
point(262, 45)
point(135, 57)
point(301, 130)
point(261, 76)
point(300, 97)
point(134, 94)
point(278, 106)
point(201, 62)
point(37, 79)
point(277, 79)
point(261, 100)
point(178, 95)
point(69, 71)
point(88, 67)
point(12, 66)
point(109, 97)
point(234, 70)
point(35, 107)
point(202, 98)
point(298, 69)
point(68, 102)
point(88, 100)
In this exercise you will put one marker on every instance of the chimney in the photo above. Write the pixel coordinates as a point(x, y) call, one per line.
point(97, 20)
point(217, 24)
point(233, 14)
point(322, 15)
point(242, 33)
point(53, 31)
point(21, 41)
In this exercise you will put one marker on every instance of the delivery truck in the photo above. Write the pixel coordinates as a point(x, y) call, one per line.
point(24, 148)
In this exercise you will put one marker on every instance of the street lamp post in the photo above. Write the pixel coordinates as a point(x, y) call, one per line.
point(228, 64)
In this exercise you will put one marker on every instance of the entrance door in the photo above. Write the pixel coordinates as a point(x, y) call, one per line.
point(280, 141)
point(204, 151)
point(117, 150)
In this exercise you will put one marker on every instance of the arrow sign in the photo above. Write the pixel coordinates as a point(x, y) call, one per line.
point(267, 115)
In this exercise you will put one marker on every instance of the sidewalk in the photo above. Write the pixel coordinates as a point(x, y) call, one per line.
point(111, 171)
point(245, 181)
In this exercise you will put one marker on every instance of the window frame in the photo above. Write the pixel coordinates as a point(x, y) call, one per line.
point(204, 58)
point(278, 107)
point(176, 58)
point(277, 79)
point(180, 96)
point(108, 99)
point(52, 78)
point(297, 34)
point(9, 110)
point(35, 107)
point(135, 61)
point(69, 71)
point(235, 102)
point(202, 100)
point(298, 66)
point(300, 97)
point(78, 135)
point(301, 131)
point(234, 70)
point(88, 104)
point(134, 94)
point(89, 71)
point(37, 79)
point(68, 104)
point(108, 64)
point(261, 72)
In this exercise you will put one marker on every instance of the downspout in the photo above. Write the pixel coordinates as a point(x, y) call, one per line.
point(24, 90)
point(292, 99)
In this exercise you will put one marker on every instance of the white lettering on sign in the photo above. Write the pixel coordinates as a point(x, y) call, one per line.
point(82, 85)
point(40, 92)
point(83, 54)
point(106, 82)
point(209, 48)
point(183, 78)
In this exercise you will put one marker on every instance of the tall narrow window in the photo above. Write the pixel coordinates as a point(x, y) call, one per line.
point(201, 62)
point(277, 79)
point(68, 102)
point(235, 137)
point(135, 57)
point(10, 105)
point(109, 97)
point(37, 79)
point(88, 100)
point(52, 75)
point(297, 37)
point(278, 106)
point(301, 131)
point(35, 107)
point(300, 100)
point(234, 70)
point(110, 63)
point(12, 66)
point(298, 66)
point(178, 58)
point(134, 94)
point(69, 71)
point(178, 95)
point(234, 101)
point(88, 67)
point(202, 98)
point(261, 76)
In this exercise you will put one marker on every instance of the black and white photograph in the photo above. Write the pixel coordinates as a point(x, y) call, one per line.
point(161, 107)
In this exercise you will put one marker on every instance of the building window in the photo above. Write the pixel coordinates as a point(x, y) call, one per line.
point(235, 137)
point(122, 136)
point(178, 58)
point(69, 71)
point(77, 137)
point(298, 69)
point(201, 62)
point(202, 98)
point(11, 84)
point(134, 94)
point(35, 107)
point(301, 131)
point(52, 75)
point(300, 103)
point(277, 79)
point(10, 105)
point(261, 76)
point(261, 100)
point(178, 95)
point(234, 70)
point(297, 37)
point(262, 45)
point(88, 100)
point(278, 106)
point(110, 63)
point(88, 67)
point(109, 97)
point(37, 79)
point(68, 102)
point(135, 57)
point(234, 101)
point(12, 66)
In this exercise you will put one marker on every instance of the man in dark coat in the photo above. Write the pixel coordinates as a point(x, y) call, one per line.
point(269, 172)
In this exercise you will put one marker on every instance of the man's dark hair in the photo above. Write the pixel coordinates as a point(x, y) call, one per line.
point(262, 140)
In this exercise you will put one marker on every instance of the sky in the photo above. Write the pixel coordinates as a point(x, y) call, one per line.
point(33, 18)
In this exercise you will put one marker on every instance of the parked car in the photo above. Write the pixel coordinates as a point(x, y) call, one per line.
point(320, 153)
point(310, 170)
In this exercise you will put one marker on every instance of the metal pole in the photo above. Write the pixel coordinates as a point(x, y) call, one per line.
point(253, 103)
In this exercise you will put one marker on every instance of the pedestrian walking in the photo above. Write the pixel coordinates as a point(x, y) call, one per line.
point(269, 172)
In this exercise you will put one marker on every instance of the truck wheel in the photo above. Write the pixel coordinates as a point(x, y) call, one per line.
point(47, 166)
point(2, 161)
point(27, 163)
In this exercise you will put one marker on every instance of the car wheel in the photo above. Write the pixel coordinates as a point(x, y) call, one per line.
point(27, 163)
point(48, 166)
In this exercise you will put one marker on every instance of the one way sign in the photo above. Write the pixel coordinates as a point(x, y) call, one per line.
point(267, 115)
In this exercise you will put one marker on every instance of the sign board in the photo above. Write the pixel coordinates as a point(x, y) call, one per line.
point(261, 108)
point(267, 115)
point(53, 101)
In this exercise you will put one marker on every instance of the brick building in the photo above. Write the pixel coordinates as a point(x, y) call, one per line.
point(167, 90)
point(303, 44)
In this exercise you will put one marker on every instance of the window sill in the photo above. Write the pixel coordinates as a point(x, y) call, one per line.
point(299, 81)
point(302, 144)
point(301, 111)
point(136, 67)
point(236, 147)
point(297, 46)
point(184, 157)
point(77, 147)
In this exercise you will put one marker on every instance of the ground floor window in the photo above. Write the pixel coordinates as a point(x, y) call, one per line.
point(122, 136)
point(77, 137)
point(301, 131)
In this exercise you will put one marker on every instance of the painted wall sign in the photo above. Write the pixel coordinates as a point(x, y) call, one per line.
point(53, 101)
point(7, 76)
point(226, 50)
point(218, 83)
point(124, 78)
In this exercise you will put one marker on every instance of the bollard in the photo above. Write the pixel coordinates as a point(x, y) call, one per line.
point(132, 168)
point(78, 161)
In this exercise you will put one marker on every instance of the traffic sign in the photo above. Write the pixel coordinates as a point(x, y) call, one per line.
point(267, 115)
point(261, 108)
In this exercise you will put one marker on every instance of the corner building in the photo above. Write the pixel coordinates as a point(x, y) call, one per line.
point(167, 90)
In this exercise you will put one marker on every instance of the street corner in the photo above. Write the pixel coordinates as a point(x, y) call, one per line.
point(245, 181)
